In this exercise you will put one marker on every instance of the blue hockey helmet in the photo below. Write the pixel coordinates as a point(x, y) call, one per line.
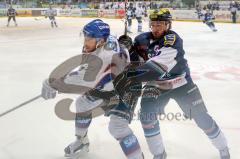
point(96, 29)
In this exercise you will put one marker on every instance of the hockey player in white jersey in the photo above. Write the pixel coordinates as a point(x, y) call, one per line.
point(139, 15)
point(51, 13)
point(114, 58)
point(130, 13)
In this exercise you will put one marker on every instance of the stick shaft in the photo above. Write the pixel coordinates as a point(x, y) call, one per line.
point(125, 31)
point(20, 105)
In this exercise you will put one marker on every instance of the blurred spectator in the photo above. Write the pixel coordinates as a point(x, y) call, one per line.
point(215, 6)
point(112, 5)
point(233, 10)
point(209, 6)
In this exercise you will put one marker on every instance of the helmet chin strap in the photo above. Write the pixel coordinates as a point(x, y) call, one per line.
point(99, 42)
point(98, 45)
point(169, 25)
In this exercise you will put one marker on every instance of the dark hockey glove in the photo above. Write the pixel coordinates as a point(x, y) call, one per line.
point(130, 79)
point(126, 41)
point(123, 84)
point(97, 94)
point(120, 82)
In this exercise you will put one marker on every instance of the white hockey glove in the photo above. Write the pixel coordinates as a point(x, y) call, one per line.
point(47, 91)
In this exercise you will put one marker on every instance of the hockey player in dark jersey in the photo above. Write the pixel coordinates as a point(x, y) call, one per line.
point(11, 13)
point(166, 73)
point(208, 18)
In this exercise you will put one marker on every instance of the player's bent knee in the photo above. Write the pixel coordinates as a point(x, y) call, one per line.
point(207, 124)
point(83, 104)
point(150, 128)
point(118, 127)
point(148, 106)
point(192, 103)
point(203, 120)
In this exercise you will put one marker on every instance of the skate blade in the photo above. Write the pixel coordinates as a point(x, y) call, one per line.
point(77, 154)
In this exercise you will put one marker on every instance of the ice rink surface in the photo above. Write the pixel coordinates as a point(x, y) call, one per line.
point(30, 51)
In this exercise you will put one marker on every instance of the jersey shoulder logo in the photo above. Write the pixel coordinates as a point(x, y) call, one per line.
point(83, 67)
point(169, 39)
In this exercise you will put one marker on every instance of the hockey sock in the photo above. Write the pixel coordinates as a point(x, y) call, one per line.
point(131, 147)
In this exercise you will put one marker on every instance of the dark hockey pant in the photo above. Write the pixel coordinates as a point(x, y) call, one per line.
point(11, 17)
point(189, 99)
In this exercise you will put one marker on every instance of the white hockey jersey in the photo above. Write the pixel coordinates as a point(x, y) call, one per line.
point(51, 13)
point(97, 69)
point(139, 12)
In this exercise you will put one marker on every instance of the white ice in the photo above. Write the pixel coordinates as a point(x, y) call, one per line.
point(30, 51)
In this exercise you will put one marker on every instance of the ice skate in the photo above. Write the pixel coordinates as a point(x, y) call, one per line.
point(161, 156)
point(214, 29)
point(224, 154)
point(76, 148)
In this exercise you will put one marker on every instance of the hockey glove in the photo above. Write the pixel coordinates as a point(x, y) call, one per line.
point(47, 91)
point(126, 41)
point(124, 84)
point(130, 80)
point(97, 94)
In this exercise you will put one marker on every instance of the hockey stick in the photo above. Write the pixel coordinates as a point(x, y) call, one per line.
point(39, 18)
point(125, 29)
point(20, 105)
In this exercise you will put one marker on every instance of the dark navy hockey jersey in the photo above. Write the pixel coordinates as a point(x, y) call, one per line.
point(167, 52)
point(11, 12)
point(208, 17)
